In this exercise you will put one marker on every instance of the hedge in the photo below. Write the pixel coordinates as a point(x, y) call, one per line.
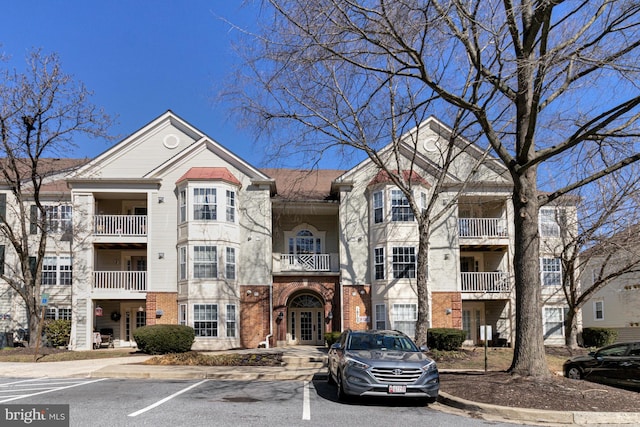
point(57, 332)
point(598, 337)
point(163, 339)
point(445, 338)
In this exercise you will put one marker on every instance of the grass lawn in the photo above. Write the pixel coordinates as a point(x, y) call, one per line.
point(47, 354)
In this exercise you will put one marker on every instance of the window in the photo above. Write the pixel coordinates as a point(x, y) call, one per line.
point(182, 202)
point(3, 206)
point(182, 261)
point(204, 204)
point(205, 264)
point(381, 316)
point(231, 206)
point(551, 271)
point(548, 219)
point(58, 218)
point(231, 320)
point(304, 243)
point(205, 320)
point(230, 264)
point(404, 318)
point(378, 255)
point(1, 259)
point(423, 202)
point(400, 209)
point(598, 310)
point(553, 322)
point(53, 313)
point(182, 314)
point(378, 211)
point(56, 271)
point(404, 263)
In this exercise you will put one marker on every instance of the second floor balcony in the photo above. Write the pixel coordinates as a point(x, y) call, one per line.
point(490, 282)
point(120, 225)
point(119, 281)
point(305, 263)
point(482, 228)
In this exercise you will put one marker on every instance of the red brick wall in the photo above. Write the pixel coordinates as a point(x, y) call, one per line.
point(254, 315)
point(165, 301)
point(442, 302)
point(357, 296)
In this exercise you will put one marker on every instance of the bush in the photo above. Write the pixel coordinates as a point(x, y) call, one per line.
point(163, 339)
point(57, 332)
point(598, 337)
point(331, 337)
point(445, 338)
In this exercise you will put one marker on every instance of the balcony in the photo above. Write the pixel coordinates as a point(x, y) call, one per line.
point(495, 282)
point(120, 225)
point(481, 228)
point(305, 262)
point(127, 281)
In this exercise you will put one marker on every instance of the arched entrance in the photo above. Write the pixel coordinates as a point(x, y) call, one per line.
point(305, 320)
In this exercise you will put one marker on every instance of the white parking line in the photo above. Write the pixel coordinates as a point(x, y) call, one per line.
point(166, 399)
point(306, 404)
point(52, 389)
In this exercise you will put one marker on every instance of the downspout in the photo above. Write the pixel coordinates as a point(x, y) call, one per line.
point(266, 339)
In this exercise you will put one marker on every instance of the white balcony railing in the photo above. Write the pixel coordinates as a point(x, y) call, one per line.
point(120, 225)
point(482, 227)
point(306, 262)
point(131, 281)
point(485, 282)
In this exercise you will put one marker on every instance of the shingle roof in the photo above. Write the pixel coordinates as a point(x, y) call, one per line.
point(300, 184)
point(412, 176)
point(208, 174)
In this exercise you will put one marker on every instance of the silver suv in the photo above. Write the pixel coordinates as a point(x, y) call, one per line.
point(381, 363)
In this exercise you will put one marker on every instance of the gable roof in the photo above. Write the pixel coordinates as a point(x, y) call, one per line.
point(408, 175)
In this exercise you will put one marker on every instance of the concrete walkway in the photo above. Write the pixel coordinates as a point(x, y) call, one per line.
point(304, 363)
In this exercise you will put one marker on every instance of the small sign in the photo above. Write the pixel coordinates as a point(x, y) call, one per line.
point(44, 300)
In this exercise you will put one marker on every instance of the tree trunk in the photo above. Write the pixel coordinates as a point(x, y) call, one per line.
point(34, 323)
point(423, 321)
point(571, 333)
point(529, 357)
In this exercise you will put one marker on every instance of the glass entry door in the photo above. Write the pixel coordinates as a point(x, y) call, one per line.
point(306, 320)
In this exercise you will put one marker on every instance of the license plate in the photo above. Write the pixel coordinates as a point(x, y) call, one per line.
point(397, 389)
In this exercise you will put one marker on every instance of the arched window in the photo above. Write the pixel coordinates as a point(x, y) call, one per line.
point(305, 243)
point(306, 301)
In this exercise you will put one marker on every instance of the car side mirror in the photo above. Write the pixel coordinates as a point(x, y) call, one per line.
point(424, 348)
point(336, 346)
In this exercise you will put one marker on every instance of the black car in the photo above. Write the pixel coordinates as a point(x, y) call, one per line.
point(616, 364)
point(382, 363)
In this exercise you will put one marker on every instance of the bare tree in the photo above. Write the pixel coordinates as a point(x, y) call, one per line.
point(602, 246)
point(544, 82)
point(42, 110)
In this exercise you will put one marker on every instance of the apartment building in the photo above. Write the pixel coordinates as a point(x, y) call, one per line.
point(171, 227)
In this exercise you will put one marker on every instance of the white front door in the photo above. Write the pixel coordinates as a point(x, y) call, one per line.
point(132, 319)
point(472, 319)
point(306, 325)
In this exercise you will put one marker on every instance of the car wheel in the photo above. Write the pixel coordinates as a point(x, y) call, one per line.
point(574, 373)
point(342, 396)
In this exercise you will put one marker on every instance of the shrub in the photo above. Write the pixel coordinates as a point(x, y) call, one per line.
point(163, 339)
point(445, 338)
point(331, 337)
point(57, 332)
point(598, 337)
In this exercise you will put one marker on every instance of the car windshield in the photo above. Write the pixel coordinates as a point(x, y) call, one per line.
point(380, 342)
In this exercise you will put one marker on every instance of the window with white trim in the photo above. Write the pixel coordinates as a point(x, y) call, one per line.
point(230, 264)
point(400, 208)
point(231, 206)
point(204, 204)
point(59, 218)
point(205, 320)
point(231, 320)
point(598, 310)
point(405, 317)
point(548, 219)
point(182, 202)
point(57, 271)
point(182, 263)
point(205, 262)
point(553, 318)
point(381, 316)
point(378, 255)
point(378, 207)
point(404, 262)
point(55, 313)
point(182, 314)
point(551, 270)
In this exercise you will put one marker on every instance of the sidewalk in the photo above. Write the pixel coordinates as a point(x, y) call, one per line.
point(302, 363)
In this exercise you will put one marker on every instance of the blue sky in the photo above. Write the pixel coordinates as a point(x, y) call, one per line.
point(140, 58)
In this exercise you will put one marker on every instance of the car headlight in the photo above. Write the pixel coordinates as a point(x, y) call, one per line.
point(431, 366)
point(353, 363)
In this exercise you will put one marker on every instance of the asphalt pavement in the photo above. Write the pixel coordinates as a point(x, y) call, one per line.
point(304, 363)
